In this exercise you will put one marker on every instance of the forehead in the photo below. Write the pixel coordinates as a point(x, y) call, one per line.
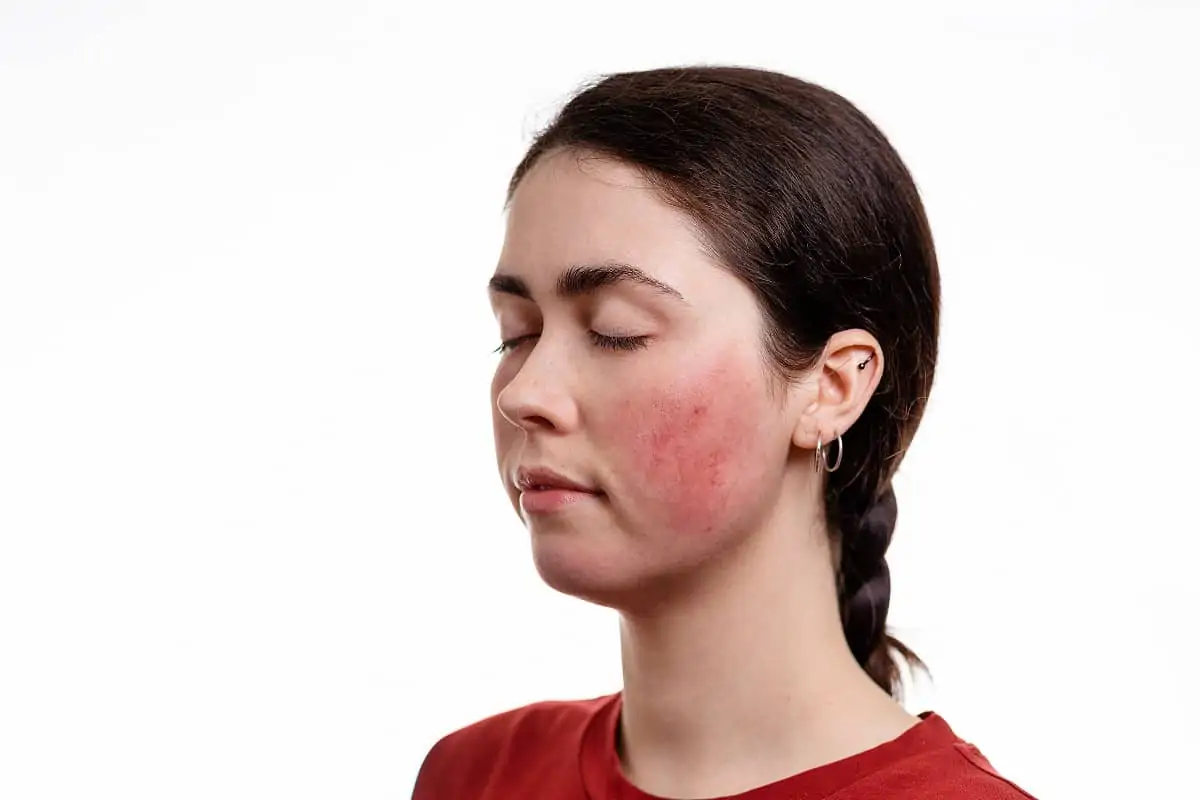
point(575, 208)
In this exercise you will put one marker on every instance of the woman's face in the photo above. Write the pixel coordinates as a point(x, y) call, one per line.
point(633, 368)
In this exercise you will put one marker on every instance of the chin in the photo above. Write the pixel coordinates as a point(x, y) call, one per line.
point(616, 576)
point(574, 575)
point(566, 565)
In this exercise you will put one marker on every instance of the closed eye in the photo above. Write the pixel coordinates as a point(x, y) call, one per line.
point(601, 340)
point(513, 343)
point(618, 342)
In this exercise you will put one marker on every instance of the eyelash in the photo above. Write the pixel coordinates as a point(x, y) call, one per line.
point(619, 343)
point(509, 344)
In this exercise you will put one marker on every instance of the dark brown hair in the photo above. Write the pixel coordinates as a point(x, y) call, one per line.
point(803, 198)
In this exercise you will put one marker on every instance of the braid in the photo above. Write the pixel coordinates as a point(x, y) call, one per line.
point(865, 590)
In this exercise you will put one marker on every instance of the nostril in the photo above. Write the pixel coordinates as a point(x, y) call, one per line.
point(535, 421)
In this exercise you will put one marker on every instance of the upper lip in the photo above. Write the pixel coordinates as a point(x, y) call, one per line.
point(542, 478)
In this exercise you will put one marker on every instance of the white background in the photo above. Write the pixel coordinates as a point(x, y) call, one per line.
point(252, 543)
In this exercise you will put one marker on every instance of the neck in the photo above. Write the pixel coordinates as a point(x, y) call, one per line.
point(749, 675)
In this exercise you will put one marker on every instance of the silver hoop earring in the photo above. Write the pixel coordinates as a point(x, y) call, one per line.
point(823, 459)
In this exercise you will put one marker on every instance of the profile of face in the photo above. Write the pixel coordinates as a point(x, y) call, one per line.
point(639, 428)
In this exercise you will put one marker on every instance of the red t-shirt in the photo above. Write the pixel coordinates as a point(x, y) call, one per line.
point(566, 751)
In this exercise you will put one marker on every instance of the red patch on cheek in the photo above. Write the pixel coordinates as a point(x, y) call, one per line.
point(686, 445)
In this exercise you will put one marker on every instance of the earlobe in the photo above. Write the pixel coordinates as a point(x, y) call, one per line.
point(807, 432)
point(807, 397)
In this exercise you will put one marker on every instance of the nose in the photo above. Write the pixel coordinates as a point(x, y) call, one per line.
point(537, 397)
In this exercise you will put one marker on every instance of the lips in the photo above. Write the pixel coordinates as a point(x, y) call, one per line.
point(535, 479)
point(546, 493)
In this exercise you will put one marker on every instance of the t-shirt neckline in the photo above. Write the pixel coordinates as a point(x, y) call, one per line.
point(603, 778)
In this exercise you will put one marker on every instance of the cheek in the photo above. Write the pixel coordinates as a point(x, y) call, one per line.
point(695, 451)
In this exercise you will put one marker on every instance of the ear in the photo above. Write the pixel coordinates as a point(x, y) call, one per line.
point(839, 387)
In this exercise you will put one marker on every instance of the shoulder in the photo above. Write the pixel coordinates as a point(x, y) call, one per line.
point(948, 768)
point(976, 772)
point(467, 761)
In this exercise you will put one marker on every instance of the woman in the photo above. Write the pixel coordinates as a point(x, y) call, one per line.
point(718, 305)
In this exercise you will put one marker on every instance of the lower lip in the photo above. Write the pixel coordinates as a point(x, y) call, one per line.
point(547, 501)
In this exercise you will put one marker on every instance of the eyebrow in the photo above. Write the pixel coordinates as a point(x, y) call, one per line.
point(584, 279)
